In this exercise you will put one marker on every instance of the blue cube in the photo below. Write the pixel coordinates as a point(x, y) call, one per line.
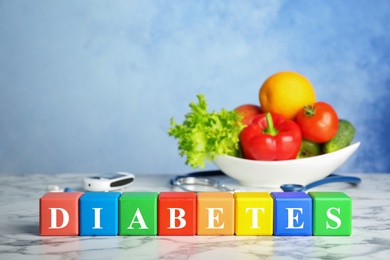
point(292, 214)
point(99, 213)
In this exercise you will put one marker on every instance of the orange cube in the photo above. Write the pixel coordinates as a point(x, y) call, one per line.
point(59, 214)
point(215, 213)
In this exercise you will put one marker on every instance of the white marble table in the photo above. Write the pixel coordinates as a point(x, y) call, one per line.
point(19, 224)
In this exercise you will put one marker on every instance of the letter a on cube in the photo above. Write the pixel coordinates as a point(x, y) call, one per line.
point(332, 214)
point(177, 214)
point(138, 213)
point(59, 214)
point(293, 214)
point(99, 214)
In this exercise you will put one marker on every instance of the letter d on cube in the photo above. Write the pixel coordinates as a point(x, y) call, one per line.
point(59, 214)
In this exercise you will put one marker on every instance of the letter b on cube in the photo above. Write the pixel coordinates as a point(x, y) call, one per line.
point(177, 214)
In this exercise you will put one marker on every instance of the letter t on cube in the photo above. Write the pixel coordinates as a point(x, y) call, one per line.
point(293, 214)
point(254, 213)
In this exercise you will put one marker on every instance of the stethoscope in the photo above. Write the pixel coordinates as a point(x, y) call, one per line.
point(201, 178)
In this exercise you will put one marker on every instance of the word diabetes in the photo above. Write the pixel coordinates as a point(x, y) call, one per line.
point(190, 213)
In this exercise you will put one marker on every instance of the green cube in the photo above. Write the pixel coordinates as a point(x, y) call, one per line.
point(138, 213)
point(332, 214)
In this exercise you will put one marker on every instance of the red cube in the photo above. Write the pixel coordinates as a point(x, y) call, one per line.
point(59, 214)
point(177, 214)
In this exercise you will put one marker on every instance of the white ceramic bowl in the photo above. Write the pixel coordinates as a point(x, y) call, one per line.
point(275, 173)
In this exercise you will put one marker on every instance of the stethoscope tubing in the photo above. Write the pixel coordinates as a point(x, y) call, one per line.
point(196, 178)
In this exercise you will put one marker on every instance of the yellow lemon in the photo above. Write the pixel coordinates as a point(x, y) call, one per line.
point(286, 93)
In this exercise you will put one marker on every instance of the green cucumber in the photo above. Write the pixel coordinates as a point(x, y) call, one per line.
point(343, 138)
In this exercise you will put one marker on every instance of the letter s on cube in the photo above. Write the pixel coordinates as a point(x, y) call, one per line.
point(332, 214)
point(59, 214)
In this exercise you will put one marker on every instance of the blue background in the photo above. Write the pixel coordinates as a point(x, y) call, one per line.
point(90, 86)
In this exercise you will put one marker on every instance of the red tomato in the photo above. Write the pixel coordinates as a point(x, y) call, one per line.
point(319, 122)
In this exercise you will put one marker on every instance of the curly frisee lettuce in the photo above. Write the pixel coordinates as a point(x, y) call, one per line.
point(203, 135)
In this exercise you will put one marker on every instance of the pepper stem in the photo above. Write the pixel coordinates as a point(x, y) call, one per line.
point(271, 130)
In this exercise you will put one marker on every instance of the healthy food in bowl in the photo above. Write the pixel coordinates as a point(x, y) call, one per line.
point(275, 173)
point(288, 137)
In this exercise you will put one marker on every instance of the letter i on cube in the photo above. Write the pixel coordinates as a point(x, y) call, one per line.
point(332, 214)
point(99, 214)
point(293, 214)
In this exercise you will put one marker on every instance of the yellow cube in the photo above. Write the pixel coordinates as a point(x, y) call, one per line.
point(254, 213)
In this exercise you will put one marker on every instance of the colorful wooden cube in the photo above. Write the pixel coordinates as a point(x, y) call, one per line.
point(189, 213)
point(138, 213)
point(215, 213)
point(59, 214)
point(99, 214)
point(254, 213)
point(292, 214)
point(177, 214)
point(332, 214)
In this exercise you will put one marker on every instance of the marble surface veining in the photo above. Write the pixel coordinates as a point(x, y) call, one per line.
point(19, 224)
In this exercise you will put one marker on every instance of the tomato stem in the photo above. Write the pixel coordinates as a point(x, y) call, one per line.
point(309, 110)
point(271, 130)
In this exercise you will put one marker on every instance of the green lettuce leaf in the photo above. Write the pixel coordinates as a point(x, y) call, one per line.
point(203, 134)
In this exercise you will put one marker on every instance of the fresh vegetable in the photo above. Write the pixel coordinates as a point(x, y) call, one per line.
point(203, 134)
point(309, 149)
point(343, 138)
point(271, 137)
point(318, 122)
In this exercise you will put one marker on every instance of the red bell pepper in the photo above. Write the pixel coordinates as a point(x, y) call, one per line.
point(271, 137)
